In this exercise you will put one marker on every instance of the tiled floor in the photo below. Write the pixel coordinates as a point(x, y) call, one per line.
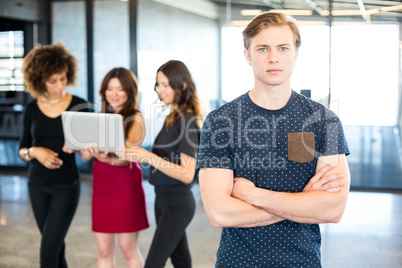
point(19, 236)
point(369, 235)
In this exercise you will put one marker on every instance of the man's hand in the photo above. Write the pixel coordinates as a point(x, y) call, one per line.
point(241, 187)
point(322, 182)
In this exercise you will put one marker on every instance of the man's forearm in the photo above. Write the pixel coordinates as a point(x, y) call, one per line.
point(304, 207)
point(322, 200)
point(237, 213)
point(222, 209)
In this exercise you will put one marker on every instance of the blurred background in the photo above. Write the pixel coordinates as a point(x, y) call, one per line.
point(350, 60)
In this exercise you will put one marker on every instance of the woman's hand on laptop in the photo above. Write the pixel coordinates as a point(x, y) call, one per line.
point(93, 150)
point(84, 155)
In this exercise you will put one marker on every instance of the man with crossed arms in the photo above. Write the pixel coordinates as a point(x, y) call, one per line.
point(272, 162)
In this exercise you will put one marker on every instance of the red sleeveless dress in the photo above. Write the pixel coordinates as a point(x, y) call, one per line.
point(118, 199)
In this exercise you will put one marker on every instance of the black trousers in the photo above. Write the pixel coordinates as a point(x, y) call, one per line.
point(54, 206)
point(174, 210)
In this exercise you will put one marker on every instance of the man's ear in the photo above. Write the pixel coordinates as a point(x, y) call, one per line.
point(247, 56)
point(297, 54)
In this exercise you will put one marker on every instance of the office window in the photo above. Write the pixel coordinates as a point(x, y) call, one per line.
point(364, 70)
point(237, 75)
point(365, 76)
point(11, 56)
point(69, 27)
point(311, 70)
point(312, 65)
point(111, 40)
point(12, 96)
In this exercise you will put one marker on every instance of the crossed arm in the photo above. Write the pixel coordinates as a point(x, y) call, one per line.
point(231, 202)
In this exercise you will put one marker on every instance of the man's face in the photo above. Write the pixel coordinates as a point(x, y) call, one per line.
point(272, 55)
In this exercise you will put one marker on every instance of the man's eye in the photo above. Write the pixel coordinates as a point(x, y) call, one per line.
point(283, 48)
point(263, 49)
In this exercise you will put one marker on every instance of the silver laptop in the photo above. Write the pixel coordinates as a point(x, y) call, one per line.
point(82, 130)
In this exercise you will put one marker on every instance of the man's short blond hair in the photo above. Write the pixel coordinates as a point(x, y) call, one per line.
point(270, 19)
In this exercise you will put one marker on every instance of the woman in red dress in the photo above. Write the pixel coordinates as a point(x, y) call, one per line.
point(118, 202)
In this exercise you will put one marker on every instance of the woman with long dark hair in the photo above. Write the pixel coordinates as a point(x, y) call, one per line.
point(173, 161)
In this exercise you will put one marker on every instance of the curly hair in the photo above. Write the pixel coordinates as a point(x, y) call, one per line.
point(42, 62)
point(270, 19)
point(129, 84)
point(185, 98)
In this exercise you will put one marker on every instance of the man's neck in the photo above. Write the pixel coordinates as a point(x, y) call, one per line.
point(271, 98)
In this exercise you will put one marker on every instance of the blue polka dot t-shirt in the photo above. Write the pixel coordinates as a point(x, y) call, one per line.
point(276, 150)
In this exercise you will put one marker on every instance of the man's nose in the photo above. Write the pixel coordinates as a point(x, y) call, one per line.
point(273, 57)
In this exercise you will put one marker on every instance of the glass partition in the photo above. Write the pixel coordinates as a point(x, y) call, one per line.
point(69, 27)
point(12, 96)
point(111, 39)
point(364, 73)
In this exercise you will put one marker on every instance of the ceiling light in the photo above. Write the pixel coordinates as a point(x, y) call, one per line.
point(350, 12)
point(311, 23)
point(391, 8)
point(368, 12)
point(250, 12)
point(348, 23)
point(240, 22)
point(294, 12)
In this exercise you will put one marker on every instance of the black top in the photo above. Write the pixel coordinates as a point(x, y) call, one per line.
point(41, 130)
point(182, 137)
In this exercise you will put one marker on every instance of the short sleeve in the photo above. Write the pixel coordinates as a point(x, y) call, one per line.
point(332, 140)
point(190, 140)
point(216, 143)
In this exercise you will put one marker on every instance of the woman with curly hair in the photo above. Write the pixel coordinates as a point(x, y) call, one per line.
point(54, 184)
point(173, 161)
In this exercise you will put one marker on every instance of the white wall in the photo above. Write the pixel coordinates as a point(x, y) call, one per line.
point(165, 33)
point(69, 27)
